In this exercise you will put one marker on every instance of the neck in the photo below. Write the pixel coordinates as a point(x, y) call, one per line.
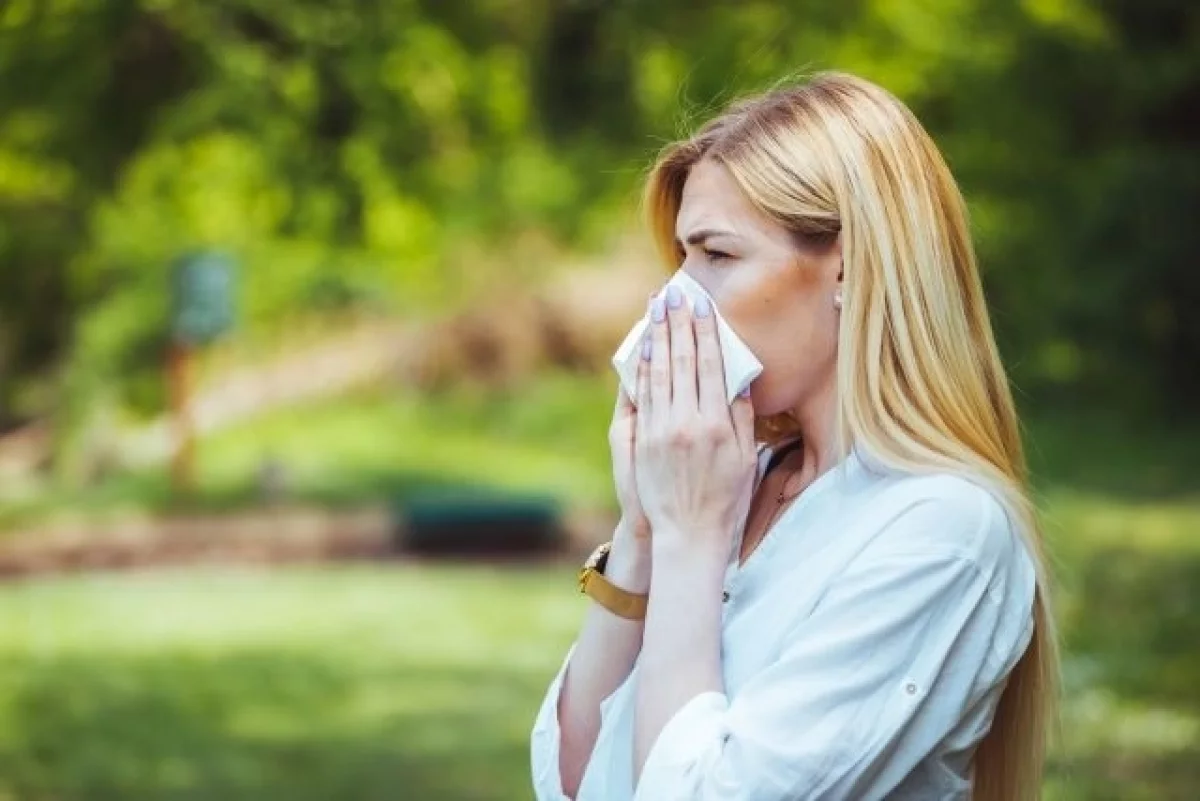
point(817, 417)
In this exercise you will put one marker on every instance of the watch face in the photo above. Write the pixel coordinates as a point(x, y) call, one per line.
point(597, 556)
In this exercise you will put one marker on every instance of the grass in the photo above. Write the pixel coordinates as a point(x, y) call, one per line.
point(347, 683)
point(420, 682)
point(1129, 611)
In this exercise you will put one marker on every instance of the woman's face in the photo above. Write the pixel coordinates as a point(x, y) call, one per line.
point(774, 290)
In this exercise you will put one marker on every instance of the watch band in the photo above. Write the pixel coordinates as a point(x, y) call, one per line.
point(592, 583)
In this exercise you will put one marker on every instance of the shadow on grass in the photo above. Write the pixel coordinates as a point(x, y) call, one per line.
point(262, 726)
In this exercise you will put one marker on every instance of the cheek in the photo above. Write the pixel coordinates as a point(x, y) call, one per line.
point(781, 318)
point(774, 309)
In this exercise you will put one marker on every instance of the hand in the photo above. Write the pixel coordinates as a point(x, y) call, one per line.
point(621, 434)
point(693, 452)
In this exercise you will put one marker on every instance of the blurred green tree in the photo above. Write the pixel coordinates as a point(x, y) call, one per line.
point(355, 150)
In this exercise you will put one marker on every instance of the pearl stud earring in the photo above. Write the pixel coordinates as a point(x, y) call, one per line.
point(837, 299)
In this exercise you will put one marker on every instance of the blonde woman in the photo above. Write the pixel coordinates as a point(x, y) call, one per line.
point(831, 588)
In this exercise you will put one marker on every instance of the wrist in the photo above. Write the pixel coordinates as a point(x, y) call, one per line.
point(684, 551)
point(629, 561)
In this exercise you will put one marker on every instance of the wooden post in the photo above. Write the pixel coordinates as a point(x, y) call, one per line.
point(179, 357)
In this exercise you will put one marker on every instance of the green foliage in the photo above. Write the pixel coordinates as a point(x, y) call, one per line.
point(352, 152)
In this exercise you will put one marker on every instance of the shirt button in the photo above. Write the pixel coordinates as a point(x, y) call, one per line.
point(725, 596)
point(910, 688)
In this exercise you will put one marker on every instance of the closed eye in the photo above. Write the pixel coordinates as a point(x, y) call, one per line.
point(716, 255)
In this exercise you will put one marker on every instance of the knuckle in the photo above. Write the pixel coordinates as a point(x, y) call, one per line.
point(680, 437)
point(714, 433)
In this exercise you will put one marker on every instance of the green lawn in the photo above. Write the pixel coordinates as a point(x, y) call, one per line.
point(345, 683)
point(420, 682)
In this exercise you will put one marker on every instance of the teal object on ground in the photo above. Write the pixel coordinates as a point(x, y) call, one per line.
point(479, 522)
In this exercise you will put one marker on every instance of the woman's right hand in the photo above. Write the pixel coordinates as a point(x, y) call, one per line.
point(621, 442)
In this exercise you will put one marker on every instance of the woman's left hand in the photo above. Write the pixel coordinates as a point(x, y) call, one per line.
point(694, 451)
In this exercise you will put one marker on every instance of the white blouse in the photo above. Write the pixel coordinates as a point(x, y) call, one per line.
point(865, 644)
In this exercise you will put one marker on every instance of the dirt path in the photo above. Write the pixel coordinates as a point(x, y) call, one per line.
point(276, 535)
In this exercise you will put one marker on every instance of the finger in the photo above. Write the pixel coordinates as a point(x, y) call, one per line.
point(644, 401)
point(635, 392)
point(625, 405)
point(710, 367)
point(741, 412)
point(683, 352)
point(660, 358)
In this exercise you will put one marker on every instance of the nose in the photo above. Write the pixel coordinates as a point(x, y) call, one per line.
point(701, 281)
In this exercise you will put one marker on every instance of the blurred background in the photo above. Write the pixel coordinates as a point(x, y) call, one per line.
point(305, 318)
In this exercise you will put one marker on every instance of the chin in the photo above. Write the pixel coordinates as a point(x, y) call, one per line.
point(769, 400)
point(772, 396)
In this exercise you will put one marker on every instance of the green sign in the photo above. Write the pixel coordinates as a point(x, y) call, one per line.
point(202, 306)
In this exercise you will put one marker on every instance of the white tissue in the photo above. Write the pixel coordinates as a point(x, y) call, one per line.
point(741, 366)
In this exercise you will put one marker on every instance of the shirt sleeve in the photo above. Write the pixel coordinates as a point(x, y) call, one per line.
point(902, 644)
point(545, 739)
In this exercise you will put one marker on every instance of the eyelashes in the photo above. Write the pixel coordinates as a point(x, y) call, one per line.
point(714, 256)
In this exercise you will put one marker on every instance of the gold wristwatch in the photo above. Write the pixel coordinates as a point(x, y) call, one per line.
point(592, 582)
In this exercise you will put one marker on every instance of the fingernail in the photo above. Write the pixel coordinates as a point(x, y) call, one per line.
point(646, 348)
point(702, 307)
point(674, 297)
point(658, 309)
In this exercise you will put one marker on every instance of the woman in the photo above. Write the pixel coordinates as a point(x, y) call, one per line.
point(855, 608)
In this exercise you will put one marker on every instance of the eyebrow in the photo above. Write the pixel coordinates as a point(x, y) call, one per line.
point(698, 237)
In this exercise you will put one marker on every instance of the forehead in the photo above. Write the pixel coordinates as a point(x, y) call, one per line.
point(712, 199)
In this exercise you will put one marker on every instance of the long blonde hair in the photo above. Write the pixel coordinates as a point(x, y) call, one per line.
point(920, 382)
